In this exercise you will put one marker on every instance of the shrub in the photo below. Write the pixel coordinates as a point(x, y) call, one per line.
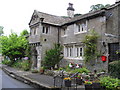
point(6, 62)
point(114, 69)
point(110, 83)
point(34, 71)
point(81, 70)
point(24, 65)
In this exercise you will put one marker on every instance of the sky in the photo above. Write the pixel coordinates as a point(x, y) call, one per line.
point(16, 14)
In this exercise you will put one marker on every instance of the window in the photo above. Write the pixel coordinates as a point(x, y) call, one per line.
point(73, 51)
point(80, 28)
point(45, 30)
point(69, 51)
point(79, 51)
point(64, 32)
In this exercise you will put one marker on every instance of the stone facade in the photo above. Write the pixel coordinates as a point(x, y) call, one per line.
point(46, 29)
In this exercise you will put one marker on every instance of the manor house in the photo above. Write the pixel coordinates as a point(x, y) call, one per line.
point(46, 29)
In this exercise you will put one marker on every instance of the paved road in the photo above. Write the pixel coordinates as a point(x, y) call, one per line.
point(8, 82)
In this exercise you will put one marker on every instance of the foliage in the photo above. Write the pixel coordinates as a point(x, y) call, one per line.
point(22, 64)
point(110, 83)
point(90, 41)
point(80, 70)
point(87, 82)
point(24, 32)
point(1, 30)
point(14, 46)
point(98, 7)
point(77, 15)
point(53, 56)
point(34, 71)
point(6, 62)
point(114, 69)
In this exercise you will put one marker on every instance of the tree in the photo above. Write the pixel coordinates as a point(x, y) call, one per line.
point(1, 30)
point(98, 7)
point(14, 46)
point(24, 33)
point(53, 56)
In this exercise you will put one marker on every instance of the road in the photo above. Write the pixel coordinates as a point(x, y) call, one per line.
point(8, 82)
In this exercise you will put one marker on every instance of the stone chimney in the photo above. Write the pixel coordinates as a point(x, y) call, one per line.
point(70, 10)
point(117, 1)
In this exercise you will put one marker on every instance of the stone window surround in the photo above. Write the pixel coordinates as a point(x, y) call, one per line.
point(80, 27)
point(64, 32)
point(70, 52)
point(45, 29)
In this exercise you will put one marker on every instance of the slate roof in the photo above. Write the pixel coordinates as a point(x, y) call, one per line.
point(61, 21)
point(52, 19)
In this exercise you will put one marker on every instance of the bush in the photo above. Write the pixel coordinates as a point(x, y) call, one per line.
point(110, 83)
point(80, 70)
point(24, 65)
point(6, 62)
point(114, 69)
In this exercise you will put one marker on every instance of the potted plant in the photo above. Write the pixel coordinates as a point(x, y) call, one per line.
point(88, 85)
point(96, 85)
point(79, 80)
point(67, 82)
point(42, 70)
point(34, 71)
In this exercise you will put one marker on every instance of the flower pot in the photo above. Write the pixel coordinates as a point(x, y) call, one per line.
point(67, 83)
point(96, 86)
point(79, 81)
point(41, 71)
point(88, 86)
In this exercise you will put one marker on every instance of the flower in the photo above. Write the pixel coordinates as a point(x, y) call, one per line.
point(87, 82)
point(68, 78)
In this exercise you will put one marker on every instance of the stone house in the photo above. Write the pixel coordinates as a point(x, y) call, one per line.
point(46, 29)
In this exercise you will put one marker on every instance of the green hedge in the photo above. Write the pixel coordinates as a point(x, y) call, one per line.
point(114, 69)
point(110, 83)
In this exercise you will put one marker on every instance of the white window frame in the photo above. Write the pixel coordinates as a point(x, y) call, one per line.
point(80, 28)
point(64, 32)
point(73, 52)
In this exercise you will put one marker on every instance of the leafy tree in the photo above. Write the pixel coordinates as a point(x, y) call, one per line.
point(98, 7)
point(14, 46)
point(24, 33)
point(1, 30)
point(77, 15)
point(53, 56)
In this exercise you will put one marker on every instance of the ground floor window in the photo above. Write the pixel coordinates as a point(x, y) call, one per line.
point(73, 51)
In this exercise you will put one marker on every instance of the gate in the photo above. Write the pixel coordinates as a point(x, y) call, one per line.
point(113, 48)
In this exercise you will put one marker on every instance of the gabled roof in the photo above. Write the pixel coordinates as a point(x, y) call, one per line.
point(86, 16)
point(61, 21)
point(51, 19)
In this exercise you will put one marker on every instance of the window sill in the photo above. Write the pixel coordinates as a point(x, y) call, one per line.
point(64, 36)
point(80, 32)
point(78, 58)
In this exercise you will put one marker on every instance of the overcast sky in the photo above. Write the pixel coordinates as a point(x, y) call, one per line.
point(16, 14)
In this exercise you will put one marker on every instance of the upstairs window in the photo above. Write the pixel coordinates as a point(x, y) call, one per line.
point(46, 30)
point(80, 28)
point(64, 32)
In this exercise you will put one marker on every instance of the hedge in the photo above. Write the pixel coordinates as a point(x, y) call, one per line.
point(114, 69)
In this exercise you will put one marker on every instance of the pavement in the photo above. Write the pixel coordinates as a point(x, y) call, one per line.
point(38, 80)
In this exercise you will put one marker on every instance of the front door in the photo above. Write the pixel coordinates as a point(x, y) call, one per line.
point(113, 48)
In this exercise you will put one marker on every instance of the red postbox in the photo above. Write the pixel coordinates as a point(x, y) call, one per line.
point(103, 58)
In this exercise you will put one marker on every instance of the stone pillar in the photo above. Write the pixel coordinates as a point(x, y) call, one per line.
point(38, 48)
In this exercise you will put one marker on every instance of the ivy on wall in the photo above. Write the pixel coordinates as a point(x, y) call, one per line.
point(90, 50)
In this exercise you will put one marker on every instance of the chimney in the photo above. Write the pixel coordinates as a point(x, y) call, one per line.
point(70, 10)
point(117, 1)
